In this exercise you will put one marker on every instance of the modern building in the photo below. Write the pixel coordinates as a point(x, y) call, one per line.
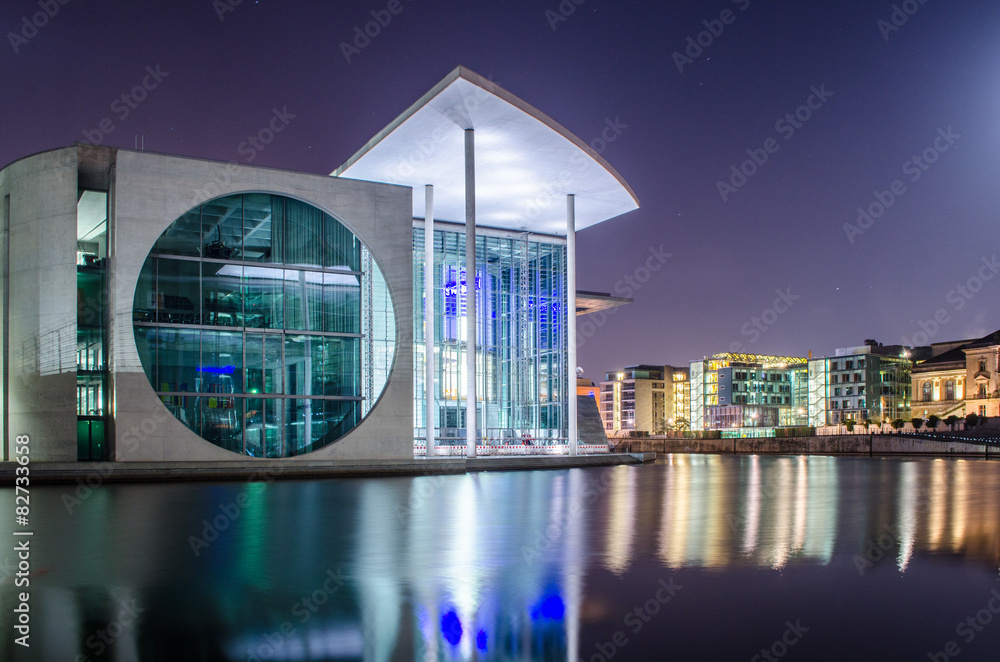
point(649, 399)
point(959, 381)
point(223, 311)
point(868, 382)
point(748, 394)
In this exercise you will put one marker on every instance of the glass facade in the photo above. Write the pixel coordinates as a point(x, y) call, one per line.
point(264, 325)
point(91, 326)
point(728, 389)
point(520, 290)
point(858, 387)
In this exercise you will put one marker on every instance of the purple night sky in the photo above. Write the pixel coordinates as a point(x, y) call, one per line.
point(929, 89)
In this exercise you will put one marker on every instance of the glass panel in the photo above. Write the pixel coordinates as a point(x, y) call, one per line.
point(183, 237)
point(220, 419)
point(222, 228)
point(298, 425)
point(179, 355)
point(177, 291)
point(263, 297)
point(222, 294)
point(145, 344)
point(304, 309)
point(263, 371)
point(144, 302)
point(262, 428)
point(274, 445)
point(339, 418)
point(336, 366)
point(298, 364)
point(341, 303)
point(303, 234)
point(257, 228)
point(221, 367)
point(341, 249)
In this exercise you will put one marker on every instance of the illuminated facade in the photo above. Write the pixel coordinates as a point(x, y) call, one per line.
point(748, 393)
point(224, 312)
point(645, 398)
point(868, 382)
point(959, 381)
point(522, 375)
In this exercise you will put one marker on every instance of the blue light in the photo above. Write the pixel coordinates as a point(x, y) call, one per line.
point(551, 607)
point(451, 628)
point(481, 640)
point(224, 370)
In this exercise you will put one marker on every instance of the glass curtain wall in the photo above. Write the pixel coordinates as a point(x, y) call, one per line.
point(264, 325)
point(91, 326)
point(521, 302)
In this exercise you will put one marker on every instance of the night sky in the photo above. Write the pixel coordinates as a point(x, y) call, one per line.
point(881, 94)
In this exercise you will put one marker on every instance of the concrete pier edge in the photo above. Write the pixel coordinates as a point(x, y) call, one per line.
point(97, 473)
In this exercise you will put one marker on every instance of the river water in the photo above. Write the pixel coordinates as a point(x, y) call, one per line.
point(695, 557)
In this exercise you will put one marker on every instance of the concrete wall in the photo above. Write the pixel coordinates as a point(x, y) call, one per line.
point(150, 192)
point(41, 310)
point(827, 445)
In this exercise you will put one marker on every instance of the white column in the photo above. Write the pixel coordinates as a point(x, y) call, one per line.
point(571, 318)
point(470, 292)
point(429, 318)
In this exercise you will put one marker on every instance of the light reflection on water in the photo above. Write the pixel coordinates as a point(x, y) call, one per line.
point(885, 553)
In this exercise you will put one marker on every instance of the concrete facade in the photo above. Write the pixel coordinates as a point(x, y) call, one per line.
point(40, 196)
point(147, 193)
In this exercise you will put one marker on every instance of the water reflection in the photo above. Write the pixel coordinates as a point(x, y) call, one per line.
point(495, 566)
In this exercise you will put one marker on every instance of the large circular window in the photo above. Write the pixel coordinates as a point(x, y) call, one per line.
point(264, 325)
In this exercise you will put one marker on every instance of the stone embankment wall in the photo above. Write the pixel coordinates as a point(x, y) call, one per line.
point(854, 444)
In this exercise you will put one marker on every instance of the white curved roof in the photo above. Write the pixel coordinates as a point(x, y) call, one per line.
point(526, 163)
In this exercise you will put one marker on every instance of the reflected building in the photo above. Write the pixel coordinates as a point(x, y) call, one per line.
point(431, 568)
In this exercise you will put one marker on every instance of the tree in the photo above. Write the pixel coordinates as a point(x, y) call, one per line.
point(917, 423)
point(972, 420)
point(932, 421)
point(849, 424)
point(682, 424)
point(898, 424)
point(950, 421)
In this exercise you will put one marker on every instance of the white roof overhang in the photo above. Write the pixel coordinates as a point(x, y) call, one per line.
point(525, 163)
